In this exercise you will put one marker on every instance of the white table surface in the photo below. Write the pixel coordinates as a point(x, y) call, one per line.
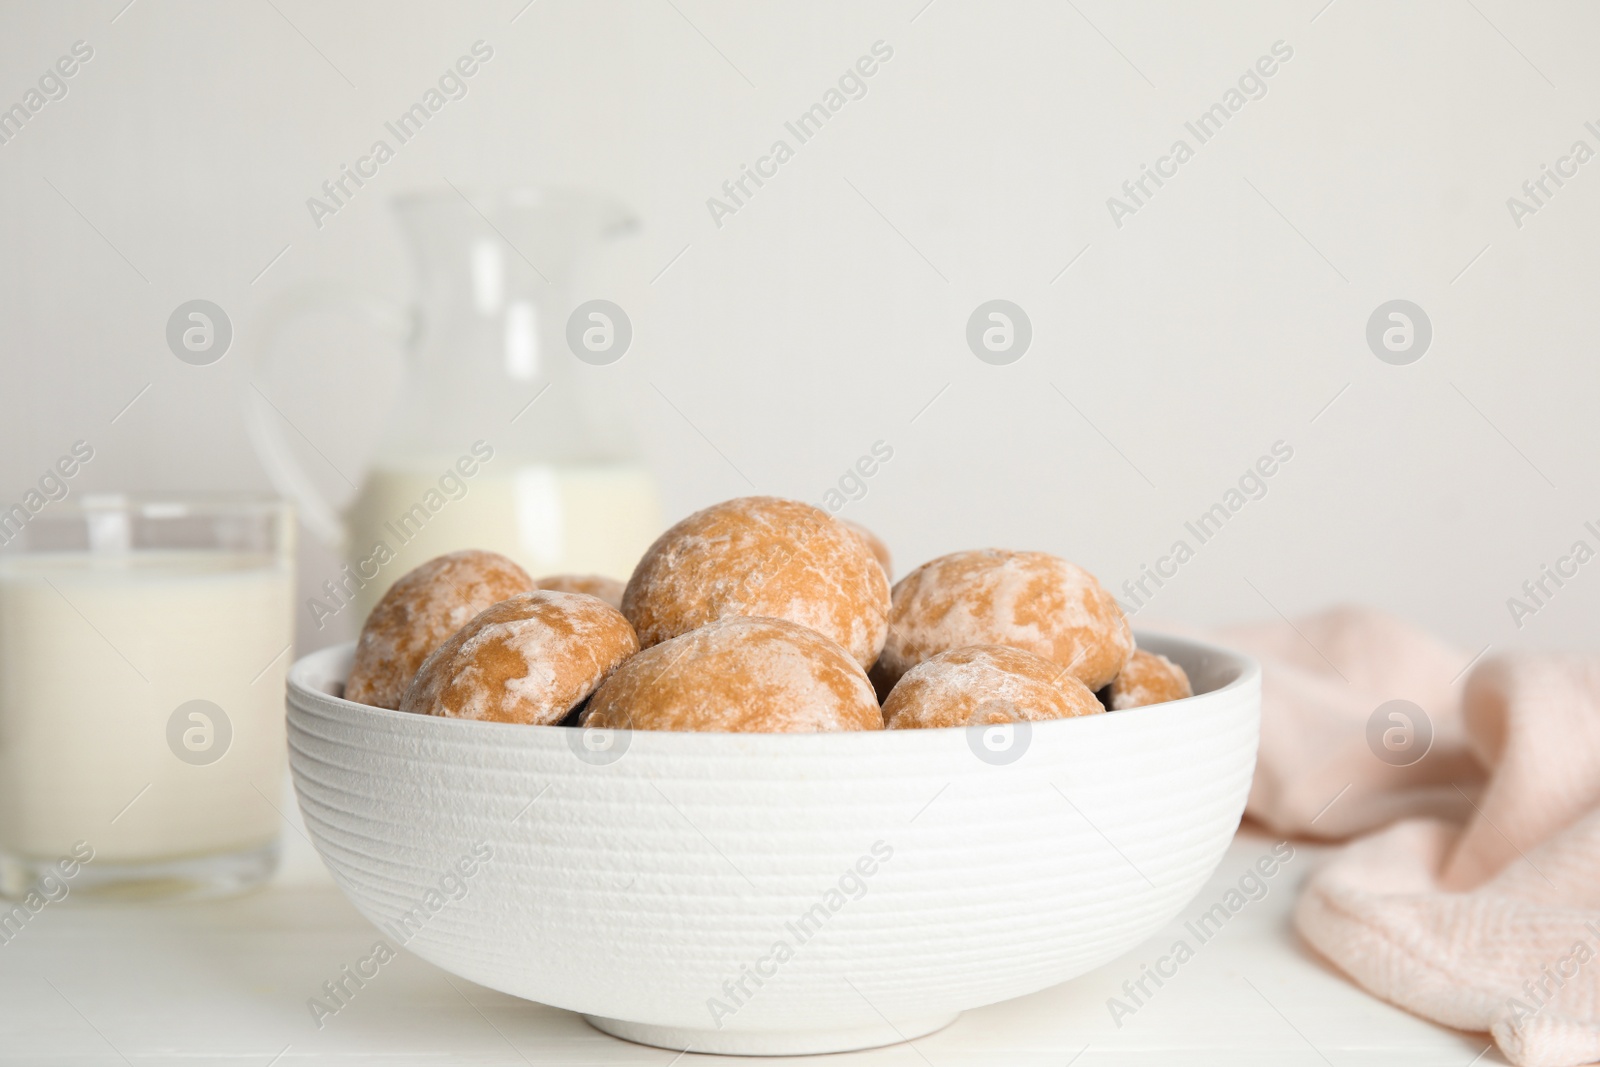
point(226, 982)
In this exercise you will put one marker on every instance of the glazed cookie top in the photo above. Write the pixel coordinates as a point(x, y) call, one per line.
point(763, 557)
point(1148, 678)
point(1028, 600)
point(985, 684)
point(739, 675)
point(530, 659)
point(607, 589)
point(419, 612)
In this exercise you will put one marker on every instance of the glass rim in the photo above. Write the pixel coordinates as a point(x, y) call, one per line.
point(158, 506)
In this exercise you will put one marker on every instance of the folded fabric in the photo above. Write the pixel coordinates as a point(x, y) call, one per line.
point(1473, 898)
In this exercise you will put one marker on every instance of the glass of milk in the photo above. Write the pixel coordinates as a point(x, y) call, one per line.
point(143, 647)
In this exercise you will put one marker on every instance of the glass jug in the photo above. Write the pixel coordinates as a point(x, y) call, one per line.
point(503, 438)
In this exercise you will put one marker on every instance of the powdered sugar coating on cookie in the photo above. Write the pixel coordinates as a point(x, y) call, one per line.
point(762, 557)
point(607, 589)
point(739, 675)
point(530, 659)
point(985, 684)
point(875, 545)
point(418, 614)
point(1028, 600)
point(1148, 678)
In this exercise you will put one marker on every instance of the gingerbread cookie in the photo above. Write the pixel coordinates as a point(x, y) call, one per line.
point(417, 615)
point(764, 557)
point(739, 675)
point(1147, 679)
point(985, 684)
point(607, 589)
point(1028, 600)
point(530, 659)
point(875, 545)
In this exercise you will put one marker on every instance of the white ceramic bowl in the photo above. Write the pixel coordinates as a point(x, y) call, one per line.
point(774, 893)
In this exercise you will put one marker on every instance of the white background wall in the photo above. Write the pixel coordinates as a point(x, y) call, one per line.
point(1224, 316)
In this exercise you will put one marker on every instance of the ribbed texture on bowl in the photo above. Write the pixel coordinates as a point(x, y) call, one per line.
point(643, 889)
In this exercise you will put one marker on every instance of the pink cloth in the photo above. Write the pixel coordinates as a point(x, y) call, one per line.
point(1470, 894)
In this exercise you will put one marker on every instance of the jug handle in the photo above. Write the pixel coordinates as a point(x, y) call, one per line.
point(265, 424)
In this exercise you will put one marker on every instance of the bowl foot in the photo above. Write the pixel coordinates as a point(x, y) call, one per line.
point(771, 1042)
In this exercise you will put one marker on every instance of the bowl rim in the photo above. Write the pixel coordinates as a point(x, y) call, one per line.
point(299, 692)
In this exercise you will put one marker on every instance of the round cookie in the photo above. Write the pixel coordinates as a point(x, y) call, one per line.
point(1028, 600)
point(764, 557)
point(1148, 678)
point(417, 615)
point(985, 684)
point(739, 675)
point(607, 589)
point(875, 545)
point(530, 659)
